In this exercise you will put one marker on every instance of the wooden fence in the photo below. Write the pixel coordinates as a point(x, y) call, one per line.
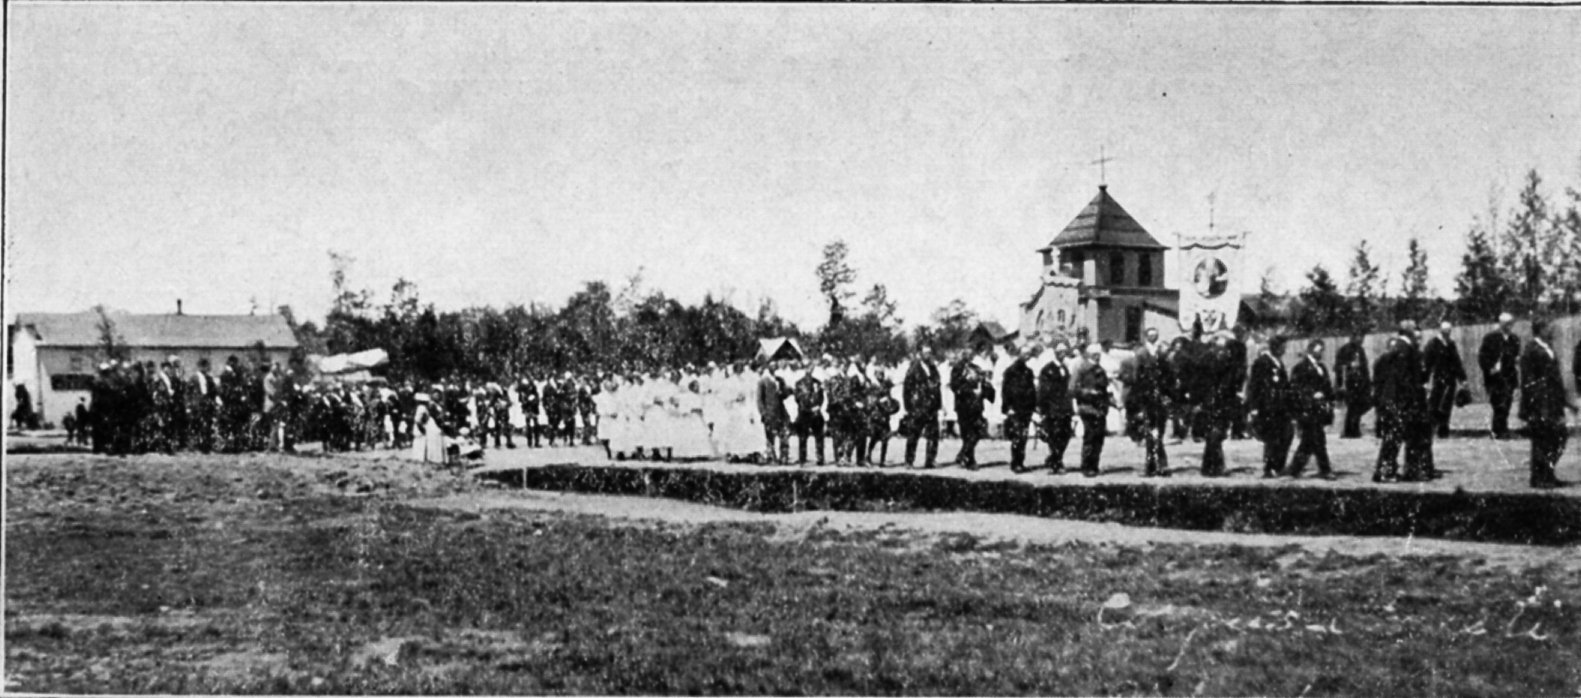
point(1567, 331)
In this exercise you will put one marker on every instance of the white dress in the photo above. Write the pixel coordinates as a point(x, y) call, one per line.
point(736, 430)
point(690, 435)
point(428, 442)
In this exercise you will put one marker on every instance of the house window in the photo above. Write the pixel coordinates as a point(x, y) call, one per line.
point(1144, 271)
point(1117, 269)
point(1133, 324)
point(76, 363)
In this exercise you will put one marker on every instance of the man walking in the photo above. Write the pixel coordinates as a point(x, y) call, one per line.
point(970, 390)
point(1092, 404)
point(1543, 405)
point(1313, 394)
point(1445, 373)
point(1054, 403)
point(921, 397)
point(1020, 399)
point(1268, 404)
point(1353, 383)
point(1498, 357)
point(809, 415)
point(1147, 396)
point(771, 410)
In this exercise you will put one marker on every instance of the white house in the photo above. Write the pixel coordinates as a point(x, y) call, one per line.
point(56, 354)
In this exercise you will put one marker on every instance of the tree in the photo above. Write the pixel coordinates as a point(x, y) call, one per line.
point(835, 277)
point(111, 344)
point(1414, 292)
point(1482, 288)
point(1527, 245)
point(951, 329)
point(879, 306)
point(1364, 286)
point(1567, 228)
point(1322, 308)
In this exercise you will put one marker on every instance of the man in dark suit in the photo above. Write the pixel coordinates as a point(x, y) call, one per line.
point(1221, 373)
point(809, 413)
point(772, 413)
point(1403, 417)
point(1019, 400)
point(1149, 384)
point(1092, 404)
point(1445, 374)
point(1054, 403)
point(921, 398)
point(1499, 359)
point(971, 389)
point(1236, 374)
point(1353, 383)
point(1543, 405)
point(1268, 405)
point(1313, 394)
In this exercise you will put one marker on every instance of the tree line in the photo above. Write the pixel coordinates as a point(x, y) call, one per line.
point(605, 329)
point(1525, 259)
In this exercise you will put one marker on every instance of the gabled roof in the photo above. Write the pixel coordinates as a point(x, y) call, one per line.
point(993, 331)
point(1103, 223)
point(776, 348)
point(217, 331)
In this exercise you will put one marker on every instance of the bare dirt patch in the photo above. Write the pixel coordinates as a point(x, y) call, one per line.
point(1020, 530)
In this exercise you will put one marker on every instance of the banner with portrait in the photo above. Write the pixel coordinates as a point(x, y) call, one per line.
point(1210, 287)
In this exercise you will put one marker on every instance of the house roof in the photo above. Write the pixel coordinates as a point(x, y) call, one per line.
point(993, 331)
point(217, 331)
point(779, 347)
point(1104, 223)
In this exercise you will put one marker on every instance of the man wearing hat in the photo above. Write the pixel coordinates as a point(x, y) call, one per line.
point(1445, 373)
point(1499, 359)
point(970, 391)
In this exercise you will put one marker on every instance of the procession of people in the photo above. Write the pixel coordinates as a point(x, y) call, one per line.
point(1200, 386)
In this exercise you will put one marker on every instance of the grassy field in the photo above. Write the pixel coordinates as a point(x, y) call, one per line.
point(322, 575)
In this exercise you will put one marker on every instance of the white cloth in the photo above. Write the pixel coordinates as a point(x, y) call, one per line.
point(428, 443)
point(690, 433)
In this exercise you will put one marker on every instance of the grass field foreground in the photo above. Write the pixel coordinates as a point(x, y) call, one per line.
point(280, 575)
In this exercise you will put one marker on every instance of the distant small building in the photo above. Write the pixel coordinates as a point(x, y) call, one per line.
point(990, 334)
point(779, 348)
point(56, 355)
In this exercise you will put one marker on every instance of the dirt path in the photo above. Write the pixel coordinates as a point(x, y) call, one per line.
point(1021, 529)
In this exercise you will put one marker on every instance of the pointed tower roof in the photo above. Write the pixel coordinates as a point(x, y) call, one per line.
point(1103, 223)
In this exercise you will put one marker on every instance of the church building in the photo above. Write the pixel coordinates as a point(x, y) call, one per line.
point(1103, 278)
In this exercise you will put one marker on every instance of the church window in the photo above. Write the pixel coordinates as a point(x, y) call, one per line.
point(1117, 269)
point(1144, 272)
point(1133, 324)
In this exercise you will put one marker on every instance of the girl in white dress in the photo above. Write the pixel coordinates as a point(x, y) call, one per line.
point(691, 430)
point(428, 440)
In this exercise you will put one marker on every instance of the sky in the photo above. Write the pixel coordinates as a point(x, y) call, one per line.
point(509, 153)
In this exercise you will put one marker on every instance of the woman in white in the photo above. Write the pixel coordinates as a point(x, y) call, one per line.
point(737, 431)
point(607, 402)
point(690, 439)
point(428, 440)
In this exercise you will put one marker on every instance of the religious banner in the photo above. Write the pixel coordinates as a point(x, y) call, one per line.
point(1210, 289)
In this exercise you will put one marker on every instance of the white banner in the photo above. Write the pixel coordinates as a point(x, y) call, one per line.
point(1211, 280)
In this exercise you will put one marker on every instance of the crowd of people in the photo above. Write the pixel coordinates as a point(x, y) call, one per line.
point(1200, 387)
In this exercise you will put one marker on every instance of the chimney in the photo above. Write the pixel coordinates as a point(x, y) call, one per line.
point(178, 306)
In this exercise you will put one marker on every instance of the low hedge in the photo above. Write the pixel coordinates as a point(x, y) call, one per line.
point(1532, 518)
